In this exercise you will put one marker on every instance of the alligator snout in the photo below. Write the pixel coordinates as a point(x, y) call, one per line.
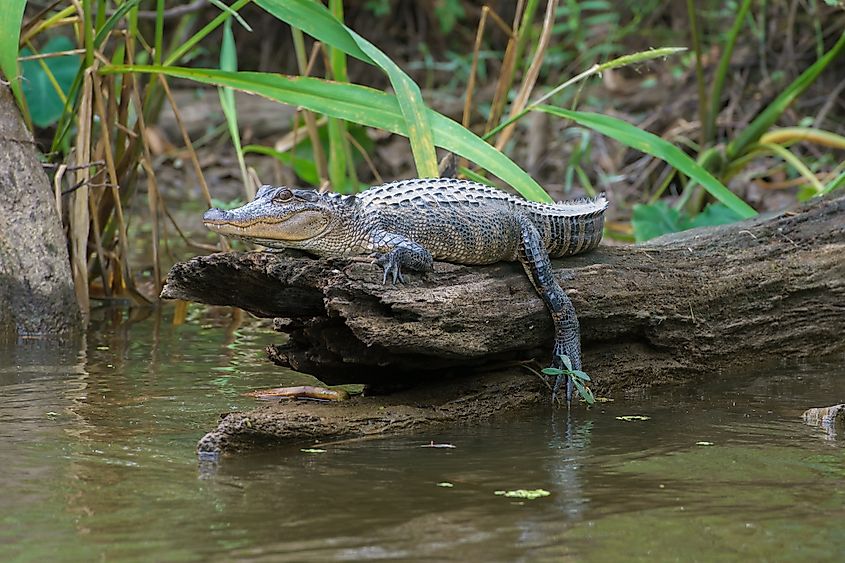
point(215, 215)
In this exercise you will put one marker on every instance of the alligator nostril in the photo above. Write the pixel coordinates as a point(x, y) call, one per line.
point(214, 214)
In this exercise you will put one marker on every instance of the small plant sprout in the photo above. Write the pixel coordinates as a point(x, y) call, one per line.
point(578, 378)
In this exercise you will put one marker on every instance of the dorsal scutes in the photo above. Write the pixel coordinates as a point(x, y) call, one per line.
point(451, 191)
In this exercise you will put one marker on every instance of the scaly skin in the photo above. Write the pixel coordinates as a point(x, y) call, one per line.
point(409, 223)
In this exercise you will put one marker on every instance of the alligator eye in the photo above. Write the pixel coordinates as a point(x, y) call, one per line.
point(282, 196)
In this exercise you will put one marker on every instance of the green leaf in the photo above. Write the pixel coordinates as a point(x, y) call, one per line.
point(577, 373)
point(118, 14)
point(566, 361)
point(651, 220)
point(229, 62)
point(834, 184)
point(552, 371)
point(45, 104)
point(584, 391)
point(314, 19)
point(361, 105)
point(644, 141)
point(11, 17)
point(712, 215)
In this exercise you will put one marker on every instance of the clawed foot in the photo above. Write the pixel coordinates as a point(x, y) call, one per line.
point(558, 384)
point(390, 263)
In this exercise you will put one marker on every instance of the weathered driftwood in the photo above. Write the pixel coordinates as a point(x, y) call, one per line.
point(674, 309)
point(36, 288)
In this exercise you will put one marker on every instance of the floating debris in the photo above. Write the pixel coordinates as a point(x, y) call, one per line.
point(633, 417)
point(445, 484)
point(312, 451)
point(702, 443)
point(433, 445)
point(529, 494)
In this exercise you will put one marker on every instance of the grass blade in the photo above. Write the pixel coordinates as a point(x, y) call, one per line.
point(11, 16)
point(834, 184)
point(314, 19)
point(229, 61)
point(649, 143)
point(339, 163)
point(770, 115)
point(358, 104)
point(793, 161)
point(722, 71)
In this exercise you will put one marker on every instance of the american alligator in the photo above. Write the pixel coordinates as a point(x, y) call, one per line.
point(409, 223)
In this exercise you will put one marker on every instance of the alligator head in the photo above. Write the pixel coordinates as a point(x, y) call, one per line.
point(277, 218)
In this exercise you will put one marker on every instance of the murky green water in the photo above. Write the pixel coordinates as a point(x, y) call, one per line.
point(97, 463)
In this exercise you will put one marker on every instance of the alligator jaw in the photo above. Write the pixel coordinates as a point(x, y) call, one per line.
point(294, 227)
point(226, 223)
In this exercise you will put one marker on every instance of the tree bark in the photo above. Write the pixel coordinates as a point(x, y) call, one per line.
point(672, 310)
point(36, 288)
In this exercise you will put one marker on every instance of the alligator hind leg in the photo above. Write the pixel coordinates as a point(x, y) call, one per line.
point(535, 260)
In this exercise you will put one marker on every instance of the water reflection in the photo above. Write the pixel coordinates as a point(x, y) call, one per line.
point(97, 440)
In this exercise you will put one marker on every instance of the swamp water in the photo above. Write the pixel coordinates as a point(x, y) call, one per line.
point(97, 462)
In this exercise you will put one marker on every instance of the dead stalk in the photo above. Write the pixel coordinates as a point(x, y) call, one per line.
point(530, 78)
point(79, 216)
point(126, 276)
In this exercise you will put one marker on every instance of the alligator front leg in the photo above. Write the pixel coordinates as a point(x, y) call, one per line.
point(394, 252)
point(535, 260)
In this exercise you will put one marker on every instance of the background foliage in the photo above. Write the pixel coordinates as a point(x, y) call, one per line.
point(687, 114)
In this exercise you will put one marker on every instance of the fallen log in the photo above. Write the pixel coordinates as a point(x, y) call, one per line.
point(671, 310)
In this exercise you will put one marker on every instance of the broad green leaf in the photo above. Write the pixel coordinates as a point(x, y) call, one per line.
point(712, 215)
point(314, 19)
point(650, 220)
point(552, 371)
point(584, 391)
point(11, 16)
point(581, 375)
point(361, 105)
point(45, 104)
point(631, 136)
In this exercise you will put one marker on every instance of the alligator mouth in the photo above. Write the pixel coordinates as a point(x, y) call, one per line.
point(298, 226)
